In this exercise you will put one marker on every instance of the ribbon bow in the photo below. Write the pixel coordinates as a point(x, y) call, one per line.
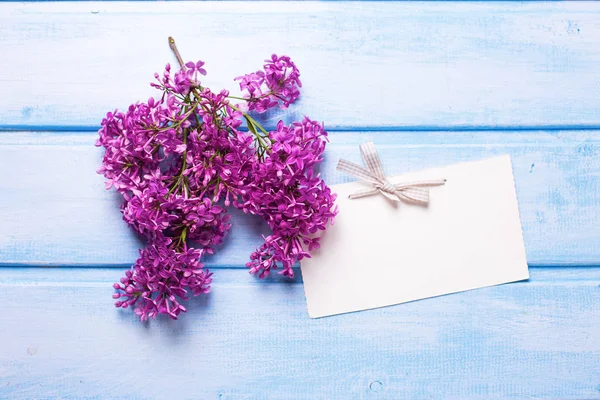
point(413, 192)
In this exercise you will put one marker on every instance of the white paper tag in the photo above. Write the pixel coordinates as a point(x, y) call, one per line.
point(380, 253)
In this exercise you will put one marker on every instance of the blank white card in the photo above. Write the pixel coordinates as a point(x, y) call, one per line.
point(380, 253)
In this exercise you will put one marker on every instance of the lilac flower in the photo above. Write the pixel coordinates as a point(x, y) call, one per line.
point(180, 159)
point(160, 279)
point(287, 193)
point(196, 67)
point(279, 83)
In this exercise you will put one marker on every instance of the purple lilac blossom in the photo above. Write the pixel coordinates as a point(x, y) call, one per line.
point(179, 160)
point(277, 84)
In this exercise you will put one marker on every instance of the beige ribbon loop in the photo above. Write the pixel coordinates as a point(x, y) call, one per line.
point(412, 192)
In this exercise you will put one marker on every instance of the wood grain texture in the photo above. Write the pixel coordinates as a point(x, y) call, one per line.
point(386, 64)
point(253, 340)
point(56, 212)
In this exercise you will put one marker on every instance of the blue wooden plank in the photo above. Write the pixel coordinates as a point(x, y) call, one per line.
point(377, 71)
point(61, 338)
point(55, 210)
point(391, 65)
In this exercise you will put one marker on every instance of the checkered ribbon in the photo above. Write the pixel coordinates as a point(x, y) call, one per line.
point(412, 192)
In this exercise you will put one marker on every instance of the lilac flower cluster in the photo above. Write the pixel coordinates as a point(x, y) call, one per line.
point(287, 193)
point(179, 160)
point(277, 83)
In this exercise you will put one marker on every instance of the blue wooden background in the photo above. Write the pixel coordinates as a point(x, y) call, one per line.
point(430, 83)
